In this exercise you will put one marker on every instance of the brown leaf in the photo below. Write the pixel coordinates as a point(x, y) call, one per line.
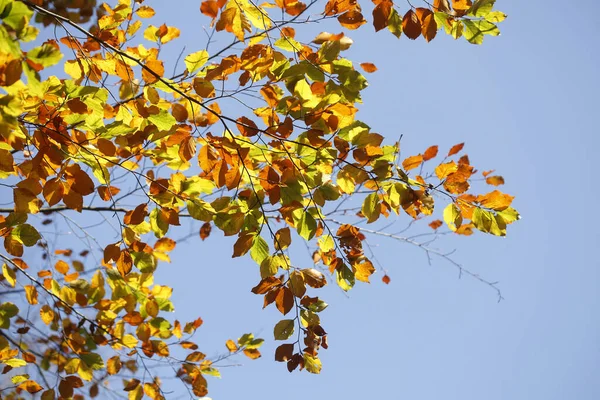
point(284, 352)
point(243, 244)
point(381, 14)
point(266, 285)
point(137, 215)
point(247, 127)
point(314, 278)
point(386, 279)
point(411, 26)
point(205, 230)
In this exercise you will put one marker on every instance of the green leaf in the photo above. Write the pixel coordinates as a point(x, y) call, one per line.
point(306, 226)
point(259, 250)
point(453, 216)
point(18, 15)
point(26, 234)
point(8, 45)
point(288, 44)
point(195, 61)
point(395, 23)
point(158, 224)
point(370, 208)
point(326, 243)
point(284, 329)
point(472, 32)
point(200, 210)
point(495, 17)
point(271, 265)
point(481, 8)
point(46, 55)
point(164, 121)
point(345, 278)
point(93, 360)
point(509, 215)
point(145, 262)
point(312, 364)
point(487, 222)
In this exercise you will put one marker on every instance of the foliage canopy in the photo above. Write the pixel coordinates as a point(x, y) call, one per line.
point(91, 122)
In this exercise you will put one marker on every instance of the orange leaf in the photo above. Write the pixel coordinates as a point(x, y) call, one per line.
point(209, 8)
point(368, 67)
point(107, 192)
point(455, 149)
point(124, 263)
point(495, 180)
point(386, 279)
point(53, 191)
point(284, 301)
point(153, 72)
point(61, 267)
point(495, 200)
point(428, 24)
point(351, 19)
point(412, 162)
point(435, 224)
point(165, 245)
point(30, 386)
point(430, 153)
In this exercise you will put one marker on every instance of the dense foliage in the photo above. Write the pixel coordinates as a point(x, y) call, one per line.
point(91, 123)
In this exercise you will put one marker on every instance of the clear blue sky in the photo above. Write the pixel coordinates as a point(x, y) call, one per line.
point(526, 104)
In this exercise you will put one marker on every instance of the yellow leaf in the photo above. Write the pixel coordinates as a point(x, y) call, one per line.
point(47, 314)
point(9, 275)
point(412, 162)
point(15, 362)
point(443, 170)
point(231, 346)
point(113, 365)
point(145, 12)
point(130, 341)
point(31, 294)
point(363, 271)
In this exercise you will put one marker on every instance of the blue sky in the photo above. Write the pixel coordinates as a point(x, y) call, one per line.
point(525, 104)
